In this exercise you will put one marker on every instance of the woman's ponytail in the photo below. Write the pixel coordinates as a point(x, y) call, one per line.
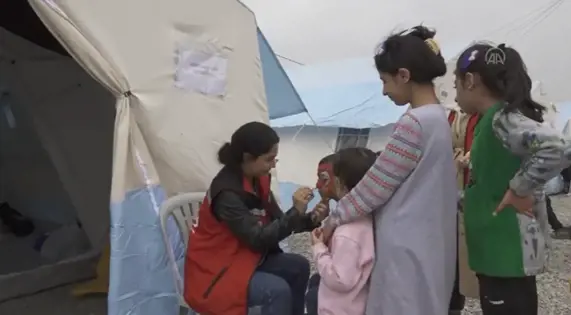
point(253, 138)
point(226, 155)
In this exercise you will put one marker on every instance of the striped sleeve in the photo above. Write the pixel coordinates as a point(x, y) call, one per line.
point(390, 170)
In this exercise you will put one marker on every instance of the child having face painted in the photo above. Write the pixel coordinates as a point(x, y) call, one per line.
point(325, 178)
point(345, 263)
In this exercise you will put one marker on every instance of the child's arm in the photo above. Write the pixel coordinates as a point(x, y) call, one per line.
point(391, 169)
point(545, 150)
point(342, 271)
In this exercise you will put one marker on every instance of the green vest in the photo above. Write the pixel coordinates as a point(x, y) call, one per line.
point(494, 242)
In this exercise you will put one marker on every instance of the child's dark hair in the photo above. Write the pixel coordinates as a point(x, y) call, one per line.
point(327, 159)
point(415, 50)
point(352, 164)
point(254, 138)
point(503, 72)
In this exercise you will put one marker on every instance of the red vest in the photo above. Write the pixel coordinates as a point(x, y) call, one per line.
point(468, 137)
point(218, 266)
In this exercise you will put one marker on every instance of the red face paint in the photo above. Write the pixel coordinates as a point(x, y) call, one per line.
point(324, 179)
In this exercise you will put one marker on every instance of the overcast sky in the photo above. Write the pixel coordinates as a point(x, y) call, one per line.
point(313, 31)
point(318, 30)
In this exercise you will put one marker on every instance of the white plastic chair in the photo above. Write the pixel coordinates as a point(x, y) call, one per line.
point(184, 208)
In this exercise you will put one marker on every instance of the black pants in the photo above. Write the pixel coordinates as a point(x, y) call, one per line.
point(457, 301)
point(551, 217)
point(311, 296)
point(566, 174)
point(508, 296)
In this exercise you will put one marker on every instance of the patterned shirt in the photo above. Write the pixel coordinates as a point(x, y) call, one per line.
point(390, 170)
point(544, 150)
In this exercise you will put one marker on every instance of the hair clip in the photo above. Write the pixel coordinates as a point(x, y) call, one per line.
point(473, 55)
point(407, 32)
point(469, 59)
point(433, 45)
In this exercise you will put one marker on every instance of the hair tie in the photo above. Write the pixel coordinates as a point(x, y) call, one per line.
point(433, 45)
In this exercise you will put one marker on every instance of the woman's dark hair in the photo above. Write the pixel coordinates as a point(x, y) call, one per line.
point(415, 50)
point(504, 74)
point(254, 138)
point(352, 164)
point(327, 159)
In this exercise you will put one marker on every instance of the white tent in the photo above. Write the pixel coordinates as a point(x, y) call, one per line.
point(136, 114)
point(301, 148)
point(345, 107)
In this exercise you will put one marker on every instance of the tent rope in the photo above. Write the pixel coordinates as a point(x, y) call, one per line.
point(522, 21)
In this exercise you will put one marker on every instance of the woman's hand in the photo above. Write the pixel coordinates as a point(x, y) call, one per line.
point(463, 161)
point(301, 198)
point(523, 205)
point(317, 236)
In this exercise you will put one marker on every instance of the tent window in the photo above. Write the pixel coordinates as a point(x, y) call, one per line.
point(352, 138)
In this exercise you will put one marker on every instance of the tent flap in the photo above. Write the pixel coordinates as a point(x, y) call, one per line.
point(282, 97)
point(135, 189)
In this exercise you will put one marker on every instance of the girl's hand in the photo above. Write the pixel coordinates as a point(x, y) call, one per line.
point(522, 205)
point(317, 236)
point(326, 233)
point(320, 212)
point(464, 161)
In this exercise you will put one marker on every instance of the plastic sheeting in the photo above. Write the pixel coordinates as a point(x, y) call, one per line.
point(138, 248)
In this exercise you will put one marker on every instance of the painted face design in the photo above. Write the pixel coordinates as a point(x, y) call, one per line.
point(324, 178)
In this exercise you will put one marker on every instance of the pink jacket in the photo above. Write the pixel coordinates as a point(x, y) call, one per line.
point(345, 268)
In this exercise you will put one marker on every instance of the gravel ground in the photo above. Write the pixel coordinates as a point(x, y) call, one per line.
point(554, 295)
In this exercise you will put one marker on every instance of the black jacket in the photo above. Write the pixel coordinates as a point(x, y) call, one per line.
point(232, 206)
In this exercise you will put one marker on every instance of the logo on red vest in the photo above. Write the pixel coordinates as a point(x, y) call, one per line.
point(258, 212)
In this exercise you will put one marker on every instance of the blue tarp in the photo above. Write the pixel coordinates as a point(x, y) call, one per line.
point(282, 97)
point(345, 93)
point(141, 278)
